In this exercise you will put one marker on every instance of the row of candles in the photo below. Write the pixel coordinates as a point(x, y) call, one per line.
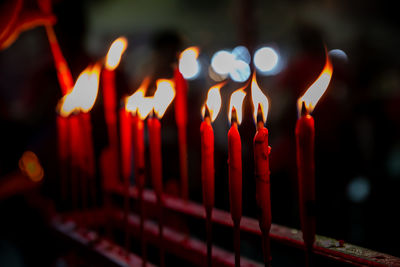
point(75, 141)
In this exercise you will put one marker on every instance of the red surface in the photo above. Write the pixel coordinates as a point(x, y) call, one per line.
point(110, 105)
point(126, 121)
point(306, 177)
point(181, 88)
point(154, 128)
point(263, 198)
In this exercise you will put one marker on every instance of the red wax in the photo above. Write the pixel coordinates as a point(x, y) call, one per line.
point(87, 144)
point(261, 160)
point(63, 143)
point(306, 174)
point(181, 122)
point(138, 147)
point(126, 142)
point(110, 100)
point(207, 162)
point(235, 173)
point(63, 72)
point(154, 128)
point(75, 156)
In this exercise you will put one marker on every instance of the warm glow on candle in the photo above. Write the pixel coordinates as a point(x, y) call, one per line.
point(115, 52)
point(213, 101)
point(163, 96)
point(84, 93)
point(318, 88)
point(236, 102)
point(259, 99)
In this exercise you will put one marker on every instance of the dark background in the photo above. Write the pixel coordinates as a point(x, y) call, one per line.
point(357, 120)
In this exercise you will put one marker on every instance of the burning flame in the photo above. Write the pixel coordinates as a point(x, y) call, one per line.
point(318, 88)
point(236, 102)
point(29, 164)
point(213, 101)
point(188, 64)
point(83, 94)
point(115, 52)
point(137, 103)
point(163, 96)
point(259, 99)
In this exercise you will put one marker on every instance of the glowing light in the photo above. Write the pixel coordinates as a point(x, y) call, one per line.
point(137, 103)
point(241, 53)
point(213, 101)
point(358, 189)
point(339, 54)
point(163, 96)
point(215, 76)
point(84, 93)
point(258, 98)
point(222, 62)
point(115, 52)
point(188, 63)
point(266, 59)
point(240, 71)
point(236, 102)
point(318, 88)
point(29, 164)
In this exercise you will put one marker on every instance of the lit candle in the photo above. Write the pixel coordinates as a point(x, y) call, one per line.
point(210, 111)
point(112, 61)
point(140, 107)
point(63, 144)
point(305, 132)
point(235, 166)
point(261, 162)
point(181, 120)
point(76, 105)
point(162, 98)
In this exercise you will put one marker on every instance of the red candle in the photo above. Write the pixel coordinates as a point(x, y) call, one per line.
point(63, 144)
point(235, 167)
point(181, 122)
point(305, 133)
point(210, 111)
point(163, 96)
point(125, 118)
point(261, 164)
point(109, 92)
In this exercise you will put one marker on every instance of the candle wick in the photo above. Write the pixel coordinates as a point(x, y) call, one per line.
point(304, 110)
point(234, 118)
point(260, 117)
point(207, 112)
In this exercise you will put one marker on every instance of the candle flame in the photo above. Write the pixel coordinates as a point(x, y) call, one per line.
point(259, 99)
point(84, 93)
point(213, 101)
point(163, 96)
point(137, 103)
point(115, 52)
point(317, 89)
point(236, 102)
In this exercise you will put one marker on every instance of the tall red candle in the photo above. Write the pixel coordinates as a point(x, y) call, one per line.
point(63, 144)
point(181, 123)
point(261, 164)
point(235, 167)
point(305, 133)
point(210, 112)
point(109, 91)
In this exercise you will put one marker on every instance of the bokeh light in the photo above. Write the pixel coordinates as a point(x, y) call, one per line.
point(266, 59)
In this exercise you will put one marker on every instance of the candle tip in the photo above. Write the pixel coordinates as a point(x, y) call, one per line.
point(234, 118)
point(304, 110)
point(207, 112)
point(260, 117)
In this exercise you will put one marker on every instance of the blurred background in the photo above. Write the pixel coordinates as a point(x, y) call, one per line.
point(357, 120)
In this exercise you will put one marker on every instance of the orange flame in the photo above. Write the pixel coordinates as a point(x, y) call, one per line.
point(258, 98)
point(115, 52)
point(163, 96)
point(132, 102)
point(213, 101)
point(84, 93)
point(236, 102)
point(29, 164)
point(190, 52)
point(318, 88)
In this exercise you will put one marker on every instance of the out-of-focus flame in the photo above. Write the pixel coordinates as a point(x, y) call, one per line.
point(132, 102)
point(213, 101)
point(258, 98)
point(163, 96)
point(115, 52)
point(317, 89)
point(188, 64)
point(83, 94)
point(29, 164)
point(236, 102)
